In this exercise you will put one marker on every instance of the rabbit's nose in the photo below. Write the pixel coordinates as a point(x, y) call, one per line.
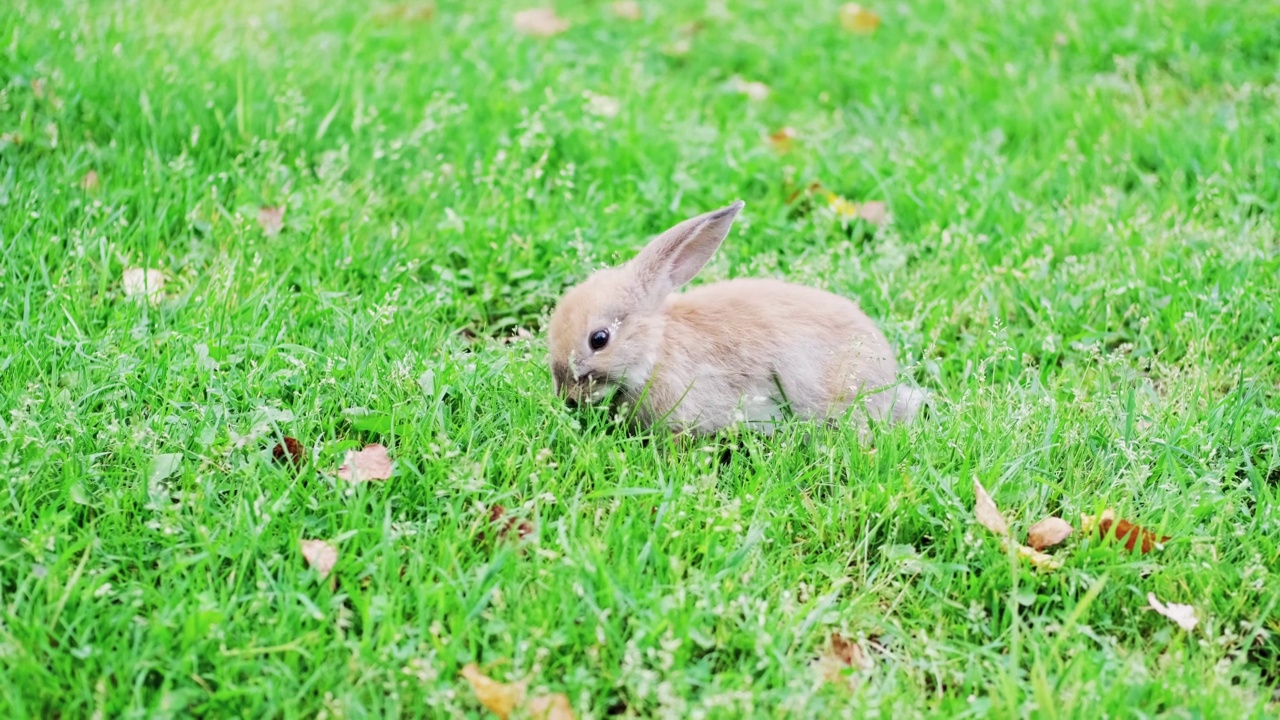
point(571, 402)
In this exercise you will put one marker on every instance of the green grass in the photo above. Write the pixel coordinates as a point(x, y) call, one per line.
point(1081, 267)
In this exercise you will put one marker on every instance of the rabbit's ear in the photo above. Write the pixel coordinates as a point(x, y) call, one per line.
point(675, 256)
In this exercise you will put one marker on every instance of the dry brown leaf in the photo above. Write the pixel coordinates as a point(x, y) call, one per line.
point(144, 283)
point(550, 707)
point(683, 43)
point(627, 10)
point(370, 463)
point(291, 451)
point(803, 194)
point(987, 513)
point(507, 525)
point(855, 18)
point(540, 22)
point(271, 219)
point(1048, 532)
point(320, 555)
point(840, 655)
point(783, 139)
point(1134, 536)
point(501, 699)
point(406, 12)
point(1183, 615)
point(90, 181)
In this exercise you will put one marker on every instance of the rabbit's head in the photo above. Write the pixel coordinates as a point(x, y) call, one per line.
point(606, 333)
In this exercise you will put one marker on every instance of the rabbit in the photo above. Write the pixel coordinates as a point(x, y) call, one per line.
point(740, 352)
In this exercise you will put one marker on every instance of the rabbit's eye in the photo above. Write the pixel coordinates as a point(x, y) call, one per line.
point(598, 339)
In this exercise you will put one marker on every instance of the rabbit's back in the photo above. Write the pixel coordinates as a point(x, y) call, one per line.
point(741, 350)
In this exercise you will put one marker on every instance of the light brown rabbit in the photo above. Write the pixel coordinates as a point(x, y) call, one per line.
point(743, 351)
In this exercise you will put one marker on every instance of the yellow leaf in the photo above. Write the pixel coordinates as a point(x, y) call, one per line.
point(844, 209)
point(874, 212)
point(1038, 559)
point(501, 699)
point(855, 18)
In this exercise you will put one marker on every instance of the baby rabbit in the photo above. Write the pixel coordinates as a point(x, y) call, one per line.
point(742, 351)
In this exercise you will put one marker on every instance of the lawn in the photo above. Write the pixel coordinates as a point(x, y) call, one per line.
point(363, 214)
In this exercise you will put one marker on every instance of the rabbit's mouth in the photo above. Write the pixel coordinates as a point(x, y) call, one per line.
point(590, 389)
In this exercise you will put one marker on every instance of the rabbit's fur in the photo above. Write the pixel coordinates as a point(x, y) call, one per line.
point(742, 351)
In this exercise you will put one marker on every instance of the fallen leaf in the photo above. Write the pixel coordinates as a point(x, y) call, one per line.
point(874, 212)
point(683, 44)
point(840, 656)
point(627, 10)
point(550, 707)
point(754, 90)
point(501, 699)
point(406, 12)
point(540, 22)
point(290, 450)
point(271, 219)
point(144, 283)
point(498, 516)
point(691, 29)
point(855, 18)
point(371, 463)
point(1183, 615)
point(320, 556)
point(1039, 560)
point(1134, 536)
point(805, 194)
point(987, 513)
point(90, 182)
point(1048, 532)
point(782, 139)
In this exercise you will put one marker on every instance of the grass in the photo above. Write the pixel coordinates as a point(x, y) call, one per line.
point(1081, 266)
